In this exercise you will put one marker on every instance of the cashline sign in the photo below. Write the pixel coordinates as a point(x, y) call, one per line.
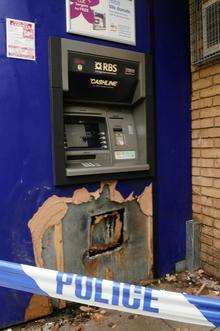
point(87, 73)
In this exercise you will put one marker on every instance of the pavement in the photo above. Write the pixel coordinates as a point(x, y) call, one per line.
point(117, 321)
point(85, 318)
point(127, 322)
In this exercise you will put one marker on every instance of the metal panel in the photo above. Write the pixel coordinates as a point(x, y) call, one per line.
point(118, 263)
point(192, 245)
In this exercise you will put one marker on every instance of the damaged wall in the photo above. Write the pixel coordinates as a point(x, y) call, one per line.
point(66, 234)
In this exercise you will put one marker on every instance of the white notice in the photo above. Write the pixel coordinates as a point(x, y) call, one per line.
point(20, 39)
point(125, 155)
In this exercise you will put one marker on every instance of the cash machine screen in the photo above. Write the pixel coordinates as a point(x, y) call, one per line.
point(84, 132)
point(95, 78)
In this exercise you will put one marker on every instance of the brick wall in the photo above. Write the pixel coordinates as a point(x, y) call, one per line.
point(206, 161)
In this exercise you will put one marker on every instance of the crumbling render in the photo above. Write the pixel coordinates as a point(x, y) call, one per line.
point(146, 204)
point(38, 306)
point(51, 213)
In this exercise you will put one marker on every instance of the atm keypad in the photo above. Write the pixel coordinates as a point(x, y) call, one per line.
point(90, 164)
point(102, 139)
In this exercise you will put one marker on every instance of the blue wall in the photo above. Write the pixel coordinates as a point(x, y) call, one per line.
point(173, 179)
point(25, 142)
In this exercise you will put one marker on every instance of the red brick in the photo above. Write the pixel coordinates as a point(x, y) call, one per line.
point(210, 153)
point(216, 183)
point(210, 91)
point(206, 201)
point(216, 101)
point(202, 181)
point(195, 75)
point(195, 134)
point(195, 114)
point(212, 212)
point(210, 172)
point(217, 142)
point(196, 208)
point(211, 192)
point(209, 132)
point(216, 234)
point(216, 203)
point(208, 231)
point(206, 239)
point(217, 224)
point(196, 189)
point(196, 152)
point(216, 79)
point(210, 70)
point(195, 171)
point(202, 103)
point(217, 121)
point(207, 220)
point(216, 243)
point(209, 112)
point(202, 83)
point(205, 163)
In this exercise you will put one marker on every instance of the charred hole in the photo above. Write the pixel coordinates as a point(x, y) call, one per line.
point(106, 232)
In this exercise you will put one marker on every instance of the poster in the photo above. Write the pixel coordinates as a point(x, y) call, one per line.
point(105, 19)
point(20, 39)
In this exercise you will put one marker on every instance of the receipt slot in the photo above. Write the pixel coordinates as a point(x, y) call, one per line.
point(101, 105)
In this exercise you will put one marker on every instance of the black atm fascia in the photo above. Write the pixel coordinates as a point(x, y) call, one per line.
point(136, 114)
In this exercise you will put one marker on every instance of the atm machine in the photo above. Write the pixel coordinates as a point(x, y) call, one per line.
point(101, 112)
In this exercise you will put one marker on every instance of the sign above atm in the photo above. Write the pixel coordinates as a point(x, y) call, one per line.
point(104, 19)
point(114, 80)
point(95, 64)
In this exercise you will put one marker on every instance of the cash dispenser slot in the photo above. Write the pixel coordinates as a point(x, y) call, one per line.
point(80, 157)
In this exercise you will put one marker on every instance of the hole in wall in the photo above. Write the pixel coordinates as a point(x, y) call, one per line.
point(106, 232)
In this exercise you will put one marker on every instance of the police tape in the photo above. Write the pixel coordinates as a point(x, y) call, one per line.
point(111, 295)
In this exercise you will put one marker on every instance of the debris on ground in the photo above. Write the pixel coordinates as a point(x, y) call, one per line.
point(74, 316)
point(200, 290)
point(87, 309)
point(170, 278)
point(196, 283)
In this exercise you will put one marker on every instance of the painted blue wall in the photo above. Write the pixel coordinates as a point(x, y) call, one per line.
point(173, 173)
point(25, 142)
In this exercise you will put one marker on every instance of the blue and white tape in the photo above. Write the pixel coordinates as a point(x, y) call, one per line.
point(111, 295)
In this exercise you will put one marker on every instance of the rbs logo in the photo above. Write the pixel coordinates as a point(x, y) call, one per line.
point(106, 67)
